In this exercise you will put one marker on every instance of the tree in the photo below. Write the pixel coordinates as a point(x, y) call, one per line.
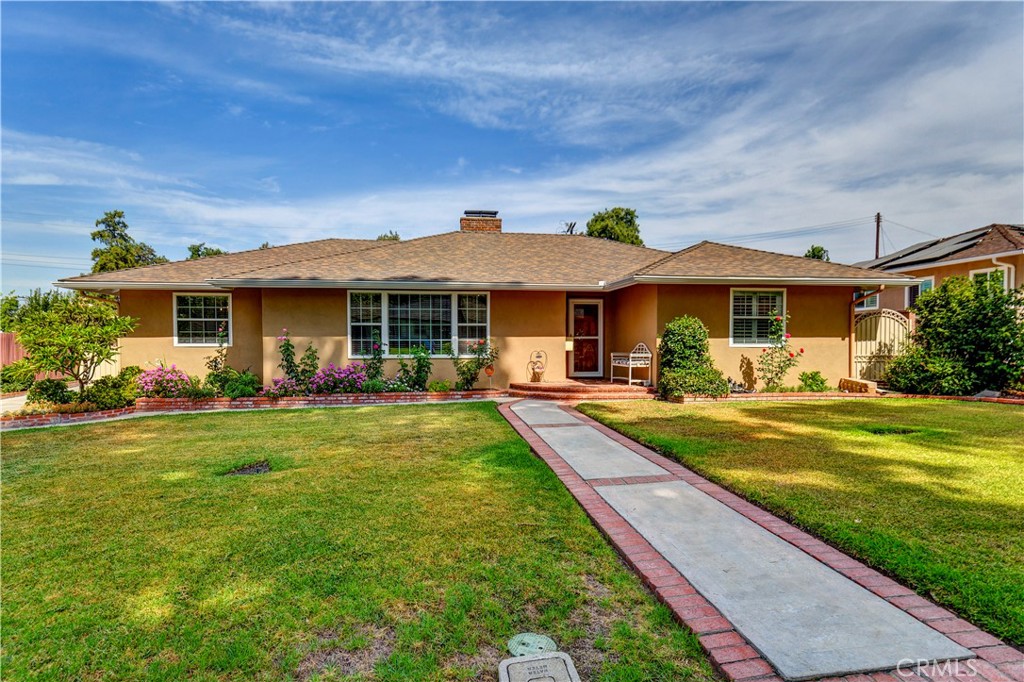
point(389, 236)
point(619, 224)
point(13, 309)
point(969, 337)
point(119, 250)
point(73, 337)
point(818, 253)
point(201, 250)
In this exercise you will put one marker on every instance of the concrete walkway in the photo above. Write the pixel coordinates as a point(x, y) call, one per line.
point(766, 597)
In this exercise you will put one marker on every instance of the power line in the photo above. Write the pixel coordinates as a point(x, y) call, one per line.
point(808, 230)
point(912, 229)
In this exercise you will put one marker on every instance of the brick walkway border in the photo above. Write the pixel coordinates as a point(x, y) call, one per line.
point(729, 652)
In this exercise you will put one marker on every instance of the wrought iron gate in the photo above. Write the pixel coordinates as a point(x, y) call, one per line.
point(880, 336)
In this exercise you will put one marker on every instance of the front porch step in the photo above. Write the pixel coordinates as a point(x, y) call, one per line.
point(575, 396)
point(580, 387)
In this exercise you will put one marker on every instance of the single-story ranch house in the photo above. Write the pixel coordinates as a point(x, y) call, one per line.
point(570, 298)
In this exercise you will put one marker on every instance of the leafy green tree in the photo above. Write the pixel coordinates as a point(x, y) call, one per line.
point(201, 250)
point(13, 309)
point(389, 236)
point(969, 337)
point(73, 337)
point(119, 250)
point(619, 224)
point(818, 253)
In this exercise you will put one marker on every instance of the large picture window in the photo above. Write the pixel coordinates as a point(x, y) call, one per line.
point(198, 319)
point(406, 320)
point(752, 315)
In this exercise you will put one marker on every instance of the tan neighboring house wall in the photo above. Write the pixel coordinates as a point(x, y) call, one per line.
point(895, 299)
point(152, 342)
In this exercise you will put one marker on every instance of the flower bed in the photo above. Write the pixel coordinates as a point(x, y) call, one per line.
point(188, 405)
point(833, 395)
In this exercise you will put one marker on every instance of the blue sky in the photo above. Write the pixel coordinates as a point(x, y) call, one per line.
point(236, 124)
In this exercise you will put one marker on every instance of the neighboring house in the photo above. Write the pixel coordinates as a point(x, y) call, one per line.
point(993, 251)
point(575, 298)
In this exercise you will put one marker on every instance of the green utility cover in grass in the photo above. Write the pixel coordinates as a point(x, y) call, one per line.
point(527, 643)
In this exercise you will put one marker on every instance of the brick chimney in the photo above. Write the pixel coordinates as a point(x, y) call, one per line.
point(480, 221)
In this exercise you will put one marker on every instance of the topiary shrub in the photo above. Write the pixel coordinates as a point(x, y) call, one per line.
point(50, 391)
point(244, 385)
point(685, 361)
point(684, 344)
point(703, 381)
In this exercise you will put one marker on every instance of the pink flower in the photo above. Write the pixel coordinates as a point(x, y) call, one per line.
point(376, 346)
point(801, 351)
point(791, 355)
point(778, 318)
point(764, 350)
point(788, 335)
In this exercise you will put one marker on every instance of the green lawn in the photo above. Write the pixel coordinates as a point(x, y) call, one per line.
point(931, 492)
point(388, 543)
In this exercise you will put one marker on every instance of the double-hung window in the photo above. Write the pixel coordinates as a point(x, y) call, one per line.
point(915, 290)
point(202, 319)
point(993, 274)
point(404, 321)
point(752, 314)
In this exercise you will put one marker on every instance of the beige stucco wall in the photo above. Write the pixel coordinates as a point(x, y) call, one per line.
point(152, 341)
point(632, 318)
point(819, 323)
point(521, 322)
point(895, 298)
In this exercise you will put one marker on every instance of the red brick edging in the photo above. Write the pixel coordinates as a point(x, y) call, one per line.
point(730, 653)
point(189, 405)
point(25, 421)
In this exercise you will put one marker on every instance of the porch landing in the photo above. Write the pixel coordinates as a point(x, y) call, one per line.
point(580, 389)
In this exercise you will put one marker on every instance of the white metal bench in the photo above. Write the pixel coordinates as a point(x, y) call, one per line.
point(638, 358)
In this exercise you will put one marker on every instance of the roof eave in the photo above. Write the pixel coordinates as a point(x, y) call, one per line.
point(116, 286)
point(805, 281)
point(399, 284)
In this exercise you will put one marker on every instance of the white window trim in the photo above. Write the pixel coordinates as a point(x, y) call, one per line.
point(174, 319)
point(865, 305)
point(1001, 268)
point(385, 342)
point(732, 293)
point(906, 292)
point(600, 337)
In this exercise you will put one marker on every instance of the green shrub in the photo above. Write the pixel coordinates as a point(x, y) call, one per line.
point(17, 376)
point(129, 373)
point(813, 382)
point(112, 393)
point(918, 371)
point(415, 376)
point(50, 391)
point(374, 386)
point(218, 379)
point(197, 391)
point(702, 380)
point(684, 344)
point(439, 386)
point(969, 337)
point(244, 385)
point(685, 361)
point(309, 364)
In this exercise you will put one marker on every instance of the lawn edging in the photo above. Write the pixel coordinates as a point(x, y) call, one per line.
point(330, 400)
point(27, 421)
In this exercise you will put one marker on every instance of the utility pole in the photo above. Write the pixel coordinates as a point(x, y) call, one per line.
point(878, 233)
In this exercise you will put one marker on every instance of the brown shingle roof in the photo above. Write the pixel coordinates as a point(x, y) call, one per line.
point(199, 270)
point(475, 257)
point(715, 261)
